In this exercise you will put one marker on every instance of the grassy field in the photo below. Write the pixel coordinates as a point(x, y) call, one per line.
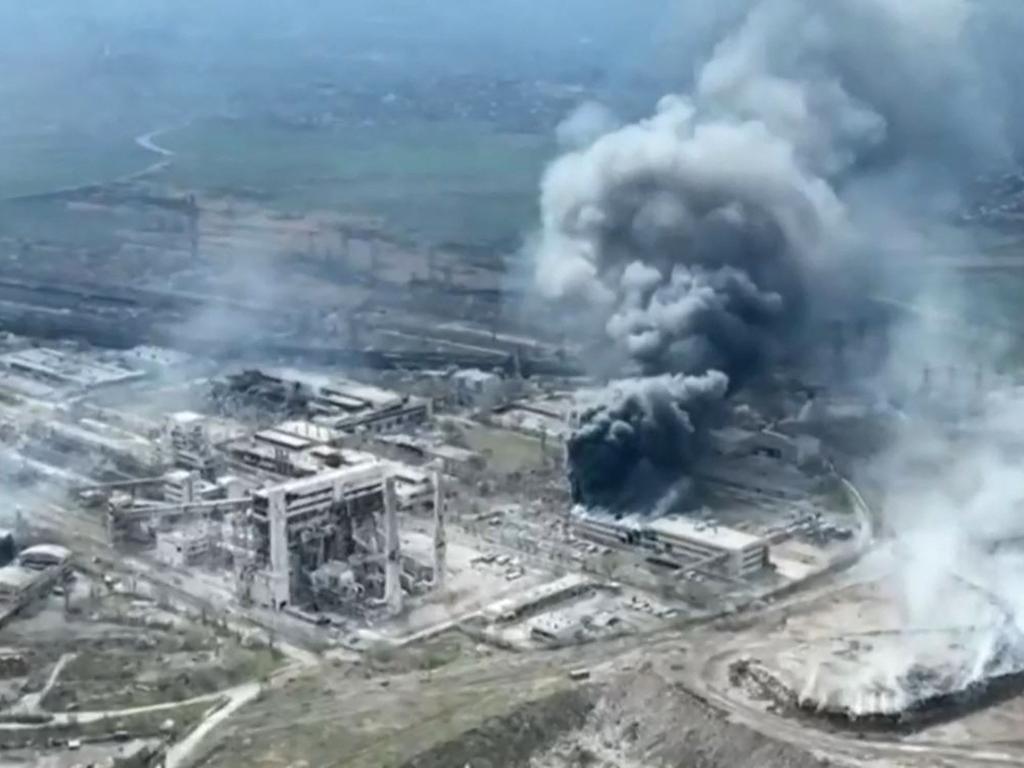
point(48, 160)
point(440, 181)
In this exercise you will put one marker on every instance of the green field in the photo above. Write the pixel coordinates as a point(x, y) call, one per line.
point(50, 160)
point(459, 182)
point(440, 181)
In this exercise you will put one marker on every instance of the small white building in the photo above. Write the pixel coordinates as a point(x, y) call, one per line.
point(183, 546)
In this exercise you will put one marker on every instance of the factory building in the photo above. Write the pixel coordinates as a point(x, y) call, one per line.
point(184, 546)
point(250, 455)
point(37, 570)
point(187, 437)
point(65, 370)
point(18, 585)
point(44, 556)
point(680, 540)
point(349, 406)
point(735, 552)
point(301, 524)
point(180, 487)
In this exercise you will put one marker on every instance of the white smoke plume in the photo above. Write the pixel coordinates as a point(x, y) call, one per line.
point(588, 122)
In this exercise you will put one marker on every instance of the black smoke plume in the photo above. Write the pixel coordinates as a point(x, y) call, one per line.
point(703, 238)
point(631, 446)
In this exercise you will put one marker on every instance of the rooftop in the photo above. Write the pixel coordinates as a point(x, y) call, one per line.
point(284, 439)
point(717, 536)
point(360, 472)
point(49, 551)
point(70, 368)
point(317, 433)
point(14, 577)
point(363, 395)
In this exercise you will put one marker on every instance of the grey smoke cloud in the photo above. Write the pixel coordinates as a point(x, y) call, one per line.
point(702, 237)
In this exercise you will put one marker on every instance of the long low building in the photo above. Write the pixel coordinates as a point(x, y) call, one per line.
point(679, 539)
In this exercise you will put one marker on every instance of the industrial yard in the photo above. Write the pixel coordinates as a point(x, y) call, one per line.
point(369, 526)
point(575, 385)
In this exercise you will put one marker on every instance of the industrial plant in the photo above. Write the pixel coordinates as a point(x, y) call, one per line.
point(511, 385)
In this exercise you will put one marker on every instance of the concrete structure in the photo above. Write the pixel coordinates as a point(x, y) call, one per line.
point(300, 524)
point(65, 369)
point(185, 546)
point(16, 583)
point(737, 553)
point(180, 487)
point(37, 571)
point(43, 556)
point(440, 535)
point(680, 541)
point(188, 440)
point(249, 455)
point(292, 449)
point(414, 488)
point(393, 551)
point(349, 406)
point(537, 598)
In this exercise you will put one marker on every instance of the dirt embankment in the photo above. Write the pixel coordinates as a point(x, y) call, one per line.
point(645, 722)
point(637, 721)
point(511, 740)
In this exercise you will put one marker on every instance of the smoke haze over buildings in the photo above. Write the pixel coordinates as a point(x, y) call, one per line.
point(707, 236)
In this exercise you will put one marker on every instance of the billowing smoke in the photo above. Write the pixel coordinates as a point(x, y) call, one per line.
point(635, 437)
point(587, 123)
point(706, 237)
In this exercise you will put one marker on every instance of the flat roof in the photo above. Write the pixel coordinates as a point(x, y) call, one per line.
point(69, 367)
point(285, 439)
point(571, 581)
point(716, 536)
point(308, 430)
point(368, 394)
point(16, 577)
point(301, 484)
point(47, 550)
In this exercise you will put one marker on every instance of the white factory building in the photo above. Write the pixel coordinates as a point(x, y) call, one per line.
point(735, 552)
point(351, 406)
point(679, 539)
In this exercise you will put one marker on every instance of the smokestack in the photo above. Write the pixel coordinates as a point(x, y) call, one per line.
point(440, 537)
point(393, 553)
